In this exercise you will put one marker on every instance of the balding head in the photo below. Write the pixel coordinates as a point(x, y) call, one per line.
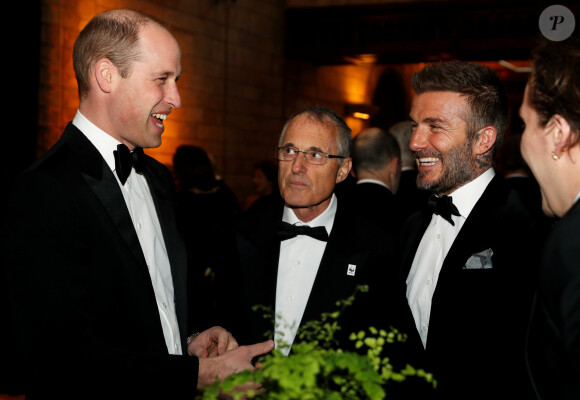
point(112, 35)
point(376, 155)
point(402, 131)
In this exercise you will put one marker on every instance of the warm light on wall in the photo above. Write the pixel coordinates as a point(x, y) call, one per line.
point(360, 110)
point(361, 115)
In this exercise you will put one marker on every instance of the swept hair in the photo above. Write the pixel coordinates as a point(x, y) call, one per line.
point(486, 96)
point(325, 115)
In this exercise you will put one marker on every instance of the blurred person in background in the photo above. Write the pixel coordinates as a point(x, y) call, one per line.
point(204, 209)
point(265, 186)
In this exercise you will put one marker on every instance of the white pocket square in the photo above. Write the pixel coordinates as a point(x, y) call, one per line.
point(481, 260)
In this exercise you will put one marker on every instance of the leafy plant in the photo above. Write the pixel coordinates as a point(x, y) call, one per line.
point(316, 369)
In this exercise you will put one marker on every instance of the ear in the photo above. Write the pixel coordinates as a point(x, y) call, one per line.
point(560, 132)
point(104, 74)
point(344, 169)
point(486, 140)
point(394, 165)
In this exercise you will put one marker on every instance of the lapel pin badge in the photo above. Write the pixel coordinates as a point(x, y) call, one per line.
point(351, 269)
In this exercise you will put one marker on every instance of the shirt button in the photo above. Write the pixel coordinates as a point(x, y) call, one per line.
point(429, 281)
point(291, 298)
point(138, 225)
point(438, 236)
point(298, 262)
point(424, 327)
point(164, 305)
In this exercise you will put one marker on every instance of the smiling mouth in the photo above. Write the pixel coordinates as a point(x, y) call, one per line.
point(427, 161)
point(160, 118)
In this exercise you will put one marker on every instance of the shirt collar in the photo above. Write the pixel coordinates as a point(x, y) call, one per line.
point(325, 219)
point(467, 195)
point(104, 142)
point(373, 181)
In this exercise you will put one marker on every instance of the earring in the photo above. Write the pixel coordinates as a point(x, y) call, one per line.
point(554, 156)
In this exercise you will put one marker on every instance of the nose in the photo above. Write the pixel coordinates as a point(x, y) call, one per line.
point(299, 163)
point(418, 139)
point(172, 96)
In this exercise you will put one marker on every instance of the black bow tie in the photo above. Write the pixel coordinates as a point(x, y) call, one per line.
point(125, 160)
point(443, 206)
point(287, 231)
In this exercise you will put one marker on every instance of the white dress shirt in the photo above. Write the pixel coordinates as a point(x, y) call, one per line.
point(433, 249)
point(297, 268)
point(144, 216)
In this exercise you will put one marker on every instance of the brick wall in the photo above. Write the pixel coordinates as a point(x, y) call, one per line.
point(237, 88)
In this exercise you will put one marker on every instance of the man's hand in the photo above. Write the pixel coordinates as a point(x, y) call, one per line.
point(211, 343)
point(230, 362)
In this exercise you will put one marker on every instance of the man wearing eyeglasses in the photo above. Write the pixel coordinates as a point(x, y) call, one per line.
point(300, 274)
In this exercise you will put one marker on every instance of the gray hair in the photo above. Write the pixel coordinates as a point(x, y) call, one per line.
point(325, 115)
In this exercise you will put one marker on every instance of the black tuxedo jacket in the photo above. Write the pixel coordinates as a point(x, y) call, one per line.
point(554, 335)
point(475, 343)
point(352, 240)
point(84, 312)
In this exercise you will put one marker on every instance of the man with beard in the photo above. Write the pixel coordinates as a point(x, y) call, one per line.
point(468, 258)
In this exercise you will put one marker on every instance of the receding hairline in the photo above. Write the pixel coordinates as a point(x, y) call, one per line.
point(140, 19)
point(309, 117)
point(132, 15)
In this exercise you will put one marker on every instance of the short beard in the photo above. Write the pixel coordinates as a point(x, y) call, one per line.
point(458, 168)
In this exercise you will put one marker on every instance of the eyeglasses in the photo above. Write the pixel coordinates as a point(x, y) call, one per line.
point(316, 157)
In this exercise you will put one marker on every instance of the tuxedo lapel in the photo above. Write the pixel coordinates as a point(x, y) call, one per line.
point(476, 234)
point(333, 280)
point(413, 231)
point(454, 281)
point(259, 252)
point(103, 183)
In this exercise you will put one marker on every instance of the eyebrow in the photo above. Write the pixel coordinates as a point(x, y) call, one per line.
point(310, 148)
point(167, 74)
point(431, 120)
point(435, 120)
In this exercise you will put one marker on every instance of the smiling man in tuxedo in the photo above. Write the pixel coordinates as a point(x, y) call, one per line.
point(468, 259)
point(94, 266)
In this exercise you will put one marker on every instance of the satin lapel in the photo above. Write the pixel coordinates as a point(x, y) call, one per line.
point(332, 281)
point(103, 183)
point(476, 234)
point(271, 253)
point(108, 192)
point(416, 225)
